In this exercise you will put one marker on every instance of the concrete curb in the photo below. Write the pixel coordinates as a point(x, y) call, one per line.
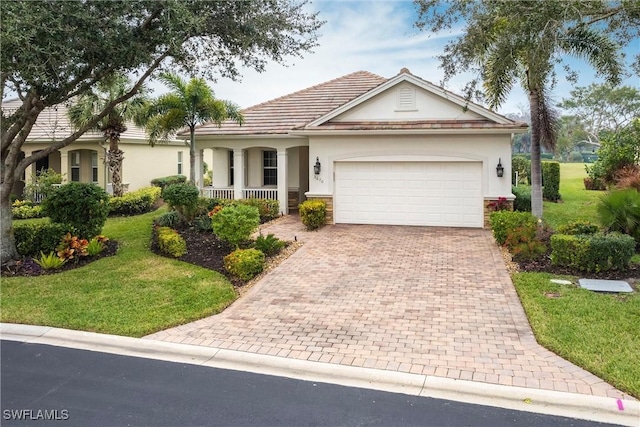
point(594, 408)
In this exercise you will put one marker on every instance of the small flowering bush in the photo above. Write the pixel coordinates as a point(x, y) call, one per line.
point(502, 204)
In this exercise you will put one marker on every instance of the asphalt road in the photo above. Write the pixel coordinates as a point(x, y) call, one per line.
point(71, 387)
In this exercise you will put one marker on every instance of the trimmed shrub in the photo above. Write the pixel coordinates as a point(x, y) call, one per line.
point(551, 181)
point(168, 219)
point(546, 156)
point(84, 207)
point(168, 180)
point(32, 239)
point(313, 213)
point(524, 244)
point(592, 253)
point(269, 245)
point(134, 203)
point(235, 224)
point(182, 198)
point(578, 227)
point(505, 222)
point(244, 263)
point(619, 211)
point(268, 209)
point(522, 202)
point(522, 165)
point(170, 242)
point(27, 211)
point(575, 157)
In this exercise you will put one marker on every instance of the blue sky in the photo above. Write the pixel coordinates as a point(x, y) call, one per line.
point(377, 36)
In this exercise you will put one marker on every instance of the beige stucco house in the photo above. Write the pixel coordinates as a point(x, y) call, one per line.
point(378, 151)
point(83, 160)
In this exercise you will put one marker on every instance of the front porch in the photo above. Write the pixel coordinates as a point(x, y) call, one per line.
point(276, 170)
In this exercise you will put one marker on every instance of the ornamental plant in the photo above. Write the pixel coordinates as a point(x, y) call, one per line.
point(313, 213)
point(83, 207)
point(50, 261)
point(235, 224)
point(182, 198)
point(244, 263)
point(71, 247)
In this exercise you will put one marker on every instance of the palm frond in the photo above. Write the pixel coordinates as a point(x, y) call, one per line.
point(598, 49)
point(499, 74)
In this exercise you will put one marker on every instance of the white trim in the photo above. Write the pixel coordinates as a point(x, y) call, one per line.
point(450, 131)
point(430, 87)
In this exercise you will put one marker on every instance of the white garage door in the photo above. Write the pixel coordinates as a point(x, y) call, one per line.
point(409, 193)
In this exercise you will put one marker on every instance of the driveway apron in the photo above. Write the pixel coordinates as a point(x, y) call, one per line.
point(424, 300)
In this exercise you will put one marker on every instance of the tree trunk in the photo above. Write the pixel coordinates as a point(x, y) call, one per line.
point(8, 249)
point(192, 157)
point(536, 166)
point(114, 160)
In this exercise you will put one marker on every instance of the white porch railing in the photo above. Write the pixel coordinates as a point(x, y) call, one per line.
point(39, 197)
point(217, 193)
point(228, 193)
point(260, 193)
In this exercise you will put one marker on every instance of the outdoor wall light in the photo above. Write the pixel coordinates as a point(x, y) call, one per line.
point(499, 168)
point(317, 166)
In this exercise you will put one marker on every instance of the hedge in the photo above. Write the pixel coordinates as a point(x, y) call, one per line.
point(522, 202)
point(134, 203)
point(168, 180)
point(33, 238)
point(244, 263)
point(505, 222)
point(594, 252)
point(551, 181)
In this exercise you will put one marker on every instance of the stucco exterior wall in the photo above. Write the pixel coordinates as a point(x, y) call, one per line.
point(487, 149)
point(385, 106)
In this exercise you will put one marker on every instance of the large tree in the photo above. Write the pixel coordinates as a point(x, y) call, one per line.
point(113, 124)
point(602, 107)
point(187, 105)
point(508, 42)
point(53, 51)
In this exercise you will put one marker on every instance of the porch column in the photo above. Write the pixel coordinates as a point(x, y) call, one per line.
point(198, 166)
point(283, 180)
point(102, 170)
point(238, 172)
point(28, 172)
point(64, 165)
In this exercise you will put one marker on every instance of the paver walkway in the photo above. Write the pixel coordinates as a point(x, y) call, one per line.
point(433, 301)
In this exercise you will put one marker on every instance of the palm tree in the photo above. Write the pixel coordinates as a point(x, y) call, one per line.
point(112, 125)
point(187, 105)
point(525, 51)
point(507, 42)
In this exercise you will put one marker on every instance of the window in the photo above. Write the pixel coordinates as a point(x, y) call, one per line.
point(179, 162)
point(94, 166)
point(269, 168)
point(75, 166)
point(231, 173)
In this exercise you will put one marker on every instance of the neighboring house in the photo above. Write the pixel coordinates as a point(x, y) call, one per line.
point(83, 160)
point(378, 151)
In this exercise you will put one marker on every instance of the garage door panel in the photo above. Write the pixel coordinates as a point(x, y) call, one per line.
point(411, 193)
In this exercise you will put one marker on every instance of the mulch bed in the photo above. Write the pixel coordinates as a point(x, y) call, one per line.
point(28, 267)
point(543, 264)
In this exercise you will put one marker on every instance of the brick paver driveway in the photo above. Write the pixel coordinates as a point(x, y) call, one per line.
point(434, 301)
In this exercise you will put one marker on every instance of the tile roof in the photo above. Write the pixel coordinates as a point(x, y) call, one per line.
point(53, 124)
point(283, 114)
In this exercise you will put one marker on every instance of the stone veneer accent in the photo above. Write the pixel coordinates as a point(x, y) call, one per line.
point(294, 199)
point(329, 201)
point(488, 211)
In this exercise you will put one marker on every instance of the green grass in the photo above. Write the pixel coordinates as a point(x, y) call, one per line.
point(598, 332)
point(577, 203)
point(133, 293)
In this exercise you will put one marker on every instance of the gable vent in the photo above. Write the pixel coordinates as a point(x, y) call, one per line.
point(406, 99)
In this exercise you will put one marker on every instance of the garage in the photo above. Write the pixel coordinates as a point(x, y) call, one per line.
point(446, 194)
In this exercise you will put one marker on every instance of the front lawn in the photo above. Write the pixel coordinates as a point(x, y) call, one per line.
point(598, 332)
point(577, 203)
point(134, 293)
